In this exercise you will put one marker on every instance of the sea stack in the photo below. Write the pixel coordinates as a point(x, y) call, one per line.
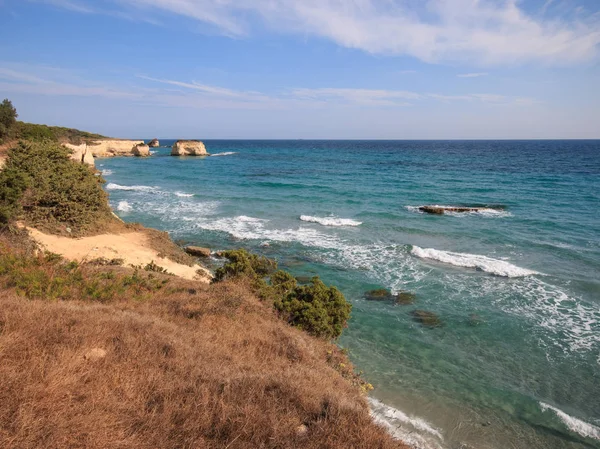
point(189, 148)
point(154, 143)
point(141, 150)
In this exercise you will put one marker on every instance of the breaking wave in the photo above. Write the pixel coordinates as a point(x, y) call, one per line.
point(124, 206)
point(107, 172)
point(113, 186)
point(330, 221)
point(184, 195)
point(573, 424)
point(413, 431)
point(483, 263)
point(226, 153)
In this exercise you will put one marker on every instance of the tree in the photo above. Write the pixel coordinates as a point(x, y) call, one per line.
point(8, 117)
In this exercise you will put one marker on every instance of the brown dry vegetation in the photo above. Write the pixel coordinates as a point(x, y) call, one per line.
point(185, 365)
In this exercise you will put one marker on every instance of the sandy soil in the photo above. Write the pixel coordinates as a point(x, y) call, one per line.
point(132, 247)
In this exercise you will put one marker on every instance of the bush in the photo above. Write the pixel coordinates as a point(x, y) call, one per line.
point(41, 133)
point(43, 186)
point(319, 310)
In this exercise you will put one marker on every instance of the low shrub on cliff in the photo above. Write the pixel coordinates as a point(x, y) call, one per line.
point(39, 133)
point(319, 310)
point(41, 185)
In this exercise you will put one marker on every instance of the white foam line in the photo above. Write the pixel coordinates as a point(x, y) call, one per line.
point(330, 221)
point(483, 263)
point(124, 206)
point(414, 431)
point(113, 186)
point(573, 424)
point(226, 153)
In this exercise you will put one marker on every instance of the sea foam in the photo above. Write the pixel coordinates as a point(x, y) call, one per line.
point(124, 206)
point(330, 221)
point(107, 172)
point(226, 153)
point(413, 431)
point(574, 425)
point(113, 186)
point(483, 263)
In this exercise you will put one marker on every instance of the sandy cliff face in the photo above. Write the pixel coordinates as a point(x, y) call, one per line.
point(141, 150)
point(115, 147)
point(81, 153)
point(189, 148)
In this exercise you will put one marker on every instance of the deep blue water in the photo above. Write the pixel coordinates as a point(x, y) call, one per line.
point(516, 362)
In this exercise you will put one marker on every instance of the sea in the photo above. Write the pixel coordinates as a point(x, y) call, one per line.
point(515, 284)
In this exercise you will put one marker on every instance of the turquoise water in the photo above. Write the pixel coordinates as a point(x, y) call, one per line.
point(516, 362)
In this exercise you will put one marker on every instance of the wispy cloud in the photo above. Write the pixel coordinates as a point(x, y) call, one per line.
point(484, 32)
point(43, 80)
point(472, 75)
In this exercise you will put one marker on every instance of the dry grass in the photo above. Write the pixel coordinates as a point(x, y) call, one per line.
point(186, 366)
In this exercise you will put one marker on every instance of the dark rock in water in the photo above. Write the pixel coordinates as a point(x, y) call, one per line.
point(380, 294)
point(154, 143)
point(405, 298)
point(432, 210)
point(197, 251)
point(426, 318)
point(475, 320)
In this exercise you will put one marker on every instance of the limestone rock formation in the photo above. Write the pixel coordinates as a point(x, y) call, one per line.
point(141, 150)
point(113, 147)
point(197, 251)
point(154, 143)
point(81, 153)
point(189, 148)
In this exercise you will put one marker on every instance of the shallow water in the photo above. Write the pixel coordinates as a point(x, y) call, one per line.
point(516, 362)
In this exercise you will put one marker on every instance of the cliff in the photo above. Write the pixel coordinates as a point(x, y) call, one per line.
point(189, 148)
point(113, 147)
point(80, 153)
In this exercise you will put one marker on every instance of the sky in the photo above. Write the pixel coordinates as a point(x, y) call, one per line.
point(311, 69)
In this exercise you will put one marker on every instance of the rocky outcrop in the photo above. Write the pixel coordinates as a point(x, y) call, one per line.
point(197, 251)
point(426, 318)
point(141, 150)
point(154, 143)
point(189, 148)
point(81, 153)
point(2, 162)
point(440, 210)
point(113, 147)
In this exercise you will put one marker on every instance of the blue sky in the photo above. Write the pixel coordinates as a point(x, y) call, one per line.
point(338, 69)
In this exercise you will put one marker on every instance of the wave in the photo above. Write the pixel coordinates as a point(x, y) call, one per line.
point(573, 424)
point(483, 263)
point(107, 172)
point(184, 195)
point(226, 153)
point(113, 186)
point(413, 431)
point(330, 221)
point(490, 212)
point(124, 206)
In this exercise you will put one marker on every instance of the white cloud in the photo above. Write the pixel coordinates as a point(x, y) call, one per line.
point(472, 75)
point(483, 32)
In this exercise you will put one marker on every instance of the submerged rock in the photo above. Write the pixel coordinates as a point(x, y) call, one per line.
point(432, 210)
point(189, 148)
point(426, 318)
point(154, 143)
point(475, 320)
point(379, 294)
point(405, 298)
point(197, 251)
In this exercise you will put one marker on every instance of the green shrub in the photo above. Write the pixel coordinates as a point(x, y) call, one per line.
point(319, 310)
point(40, 133)
point(43, 186)
point(243, 263)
